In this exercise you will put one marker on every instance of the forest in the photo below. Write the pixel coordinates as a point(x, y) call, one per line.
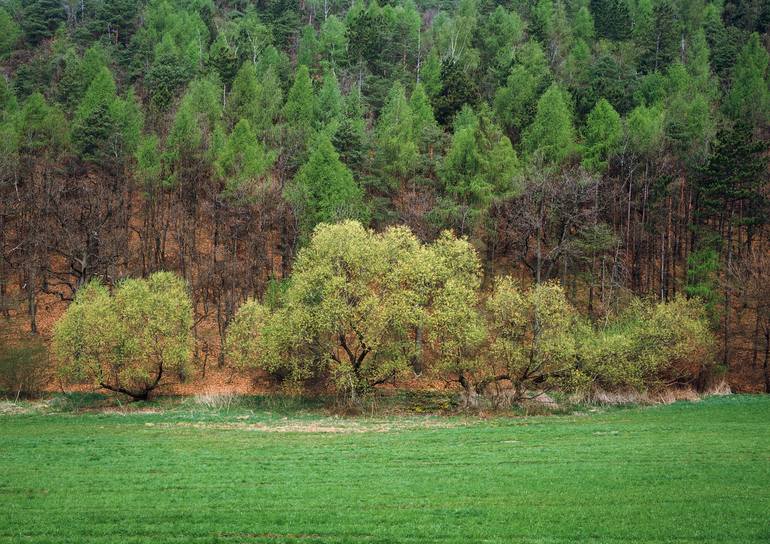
point(544, 193)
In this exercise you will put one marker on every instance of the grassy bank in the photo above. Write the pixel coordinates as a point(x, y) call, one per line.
point(687, 472)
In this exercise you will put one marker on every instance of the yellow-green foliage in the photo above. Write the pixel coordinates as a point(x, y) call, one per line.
point(532, 335)
point(649, 344)
point(129, 341)
point(354, 305)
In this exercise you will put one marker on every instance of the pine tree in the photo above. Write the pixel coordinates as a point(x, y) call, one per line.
point(515, 103)
point(9, 33)
point(105, 128)
point(551, 136)
point(324, 190)
point(41, 19)
point(603, 134)
point(748, 100)
point(242, 163)
point(167, 75)
point(243, 100)
point(395, 145)
point(479, 166)
point(425, 129)
point(299, 114)
point(350, 139)
point(612, 19)
point(660, 44)
point(330, 104)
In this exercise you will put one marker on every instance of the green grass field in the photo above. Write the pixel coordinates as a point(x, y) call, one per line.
point(688, 472)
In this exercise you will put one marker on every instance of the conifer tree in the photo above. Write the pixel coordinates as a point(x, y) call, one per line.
point(603, 135)
point(242, 162)
point(395, 145)
point(324, 191)
point(748, 100)
point(552, 134)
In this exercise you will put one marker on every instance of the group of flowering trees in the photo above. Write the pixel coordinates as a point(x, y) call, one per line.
point(363, 308)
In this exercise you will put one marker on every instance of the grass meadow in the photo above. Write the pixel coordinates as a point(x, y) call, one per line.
point(686, 472)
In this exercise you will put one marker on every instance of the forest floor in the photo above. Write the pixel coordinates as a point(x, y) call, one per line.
point(262, 472)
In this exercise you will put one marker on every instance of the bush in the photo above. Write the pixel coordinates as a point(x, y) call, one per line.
point(128, 342)
point(650, 345)
point(23, 367)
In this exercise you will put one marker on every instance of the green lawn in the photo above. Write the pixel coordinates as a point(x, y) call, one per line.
point(688, 472)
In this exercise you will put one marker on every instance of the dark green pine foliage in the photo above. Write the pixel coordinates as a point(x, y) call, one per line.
point(458, 88)
point(350, 137)
point(611, 19)
point(730, 185)
point(41, 19)
point(661, 44)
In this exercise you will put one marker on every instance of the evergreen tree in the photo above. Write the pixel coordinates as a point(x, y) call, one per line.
point(479, 166)
point(425, 129)
point(330, 104)
point(9, 34)
point(242, 163)
point(350, 139)
point(324, 191)
point(515, 103)
point(748, 100)
point(243, 100)
point(603, 133)
point(395, 145)
point(612, 19)
point(167, 75)
point(299, 114)
point(268, 106)
point(41, 19)
point(308, 48)
point(223, 59)
point(105, 128)
point(551, 136)
point(660, 43)
point(334, 41)
point(457, 89)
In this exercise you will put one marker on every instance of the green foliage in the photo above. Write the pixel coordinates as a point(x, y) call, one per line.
point(702, 277)
point(106, 128)
point(748, 100)
point(355, 300)
point(532, 337)
point(242, 163)
point(330, 104)
point(395, 143)
point(130, 341)
point(41, 19)
point(650, 344)
point(479, 166)
point(515, 103)
point(243, 101)
point(324, 189)
point(9, 34)
point(299, 113)
point(551, 136)
point(603, 134)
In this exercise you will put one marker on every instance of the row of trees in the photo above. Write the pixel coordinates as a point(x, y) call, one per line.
point(362, 309)
point(617, 146)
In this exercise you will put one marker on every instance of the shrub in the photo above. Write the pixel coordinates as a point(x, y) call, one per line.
point(649, 345)
point(128, 342)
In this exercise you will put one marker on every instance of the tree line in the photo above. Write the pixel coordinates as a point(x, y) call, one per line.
point(365, 308)
point(618, 147)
